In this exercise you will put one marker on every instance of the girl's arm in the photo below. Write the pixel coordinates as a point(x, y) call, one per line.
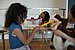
point(21, 36)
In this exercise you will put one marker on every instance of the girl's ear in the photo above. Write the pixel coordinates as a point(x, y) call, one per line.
point(19, 20)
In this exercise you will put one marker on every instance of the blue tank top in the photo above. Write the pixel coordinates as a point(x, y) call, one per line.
point(14, 41)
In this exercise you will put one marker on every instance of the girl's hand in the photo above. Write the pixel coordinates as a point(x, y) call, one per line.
point(37, 28)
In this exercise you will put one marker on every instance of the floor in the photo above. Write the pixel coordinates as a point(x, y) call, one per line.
point(34, 45)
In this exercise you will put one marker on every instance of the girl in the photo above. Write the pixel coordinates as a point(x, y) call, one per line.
point(14, 17)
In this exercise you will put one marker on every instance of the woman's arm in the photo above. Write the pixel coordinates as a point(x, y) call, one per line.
point(63, 35)
point(60, 33)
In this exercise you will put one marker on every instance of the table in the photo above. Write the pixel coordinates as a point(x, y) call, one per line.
point(43, 31)
point(2, 30)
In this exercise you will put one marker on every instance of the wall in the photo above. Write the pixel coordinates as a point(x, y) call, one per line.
point(35, 3)
point(4, 4)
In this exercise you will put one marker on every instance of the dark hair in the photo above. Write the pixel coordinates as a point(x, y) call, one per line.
point(63, 20)
point(47, 16)
point(57, 16)
point(15, 14)
point(72, 10)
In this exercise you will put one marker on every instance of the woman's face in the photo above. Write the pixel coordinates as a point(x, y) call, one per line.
point(42, 15)
point(71, 17)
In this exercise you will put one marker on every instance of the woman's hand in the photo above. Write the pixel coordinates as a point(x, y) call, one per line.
point(63, 35)
point(54, 25)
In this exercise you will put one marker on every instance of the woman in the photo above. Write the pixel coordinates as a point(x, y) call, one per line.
point(69, 38)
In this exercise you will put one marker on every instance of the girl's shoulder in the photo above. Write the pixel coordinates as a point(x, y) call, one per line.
point(13, 26)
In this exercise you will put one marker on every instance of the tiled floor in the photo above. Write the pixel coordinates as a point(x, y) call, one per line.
point(35, 45)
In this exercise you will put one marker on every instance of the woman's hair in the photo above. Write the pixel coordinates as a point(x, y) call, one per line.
point(47, 16)
point(16, 13)
point(72, 10)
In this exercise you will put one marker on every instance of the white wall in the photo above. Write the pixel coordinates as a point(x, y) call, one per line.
point(35, 3)
point(4, 4)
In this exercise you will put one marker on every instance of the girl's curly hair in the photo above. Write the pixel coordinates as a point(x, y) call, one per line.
point(15, 13)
